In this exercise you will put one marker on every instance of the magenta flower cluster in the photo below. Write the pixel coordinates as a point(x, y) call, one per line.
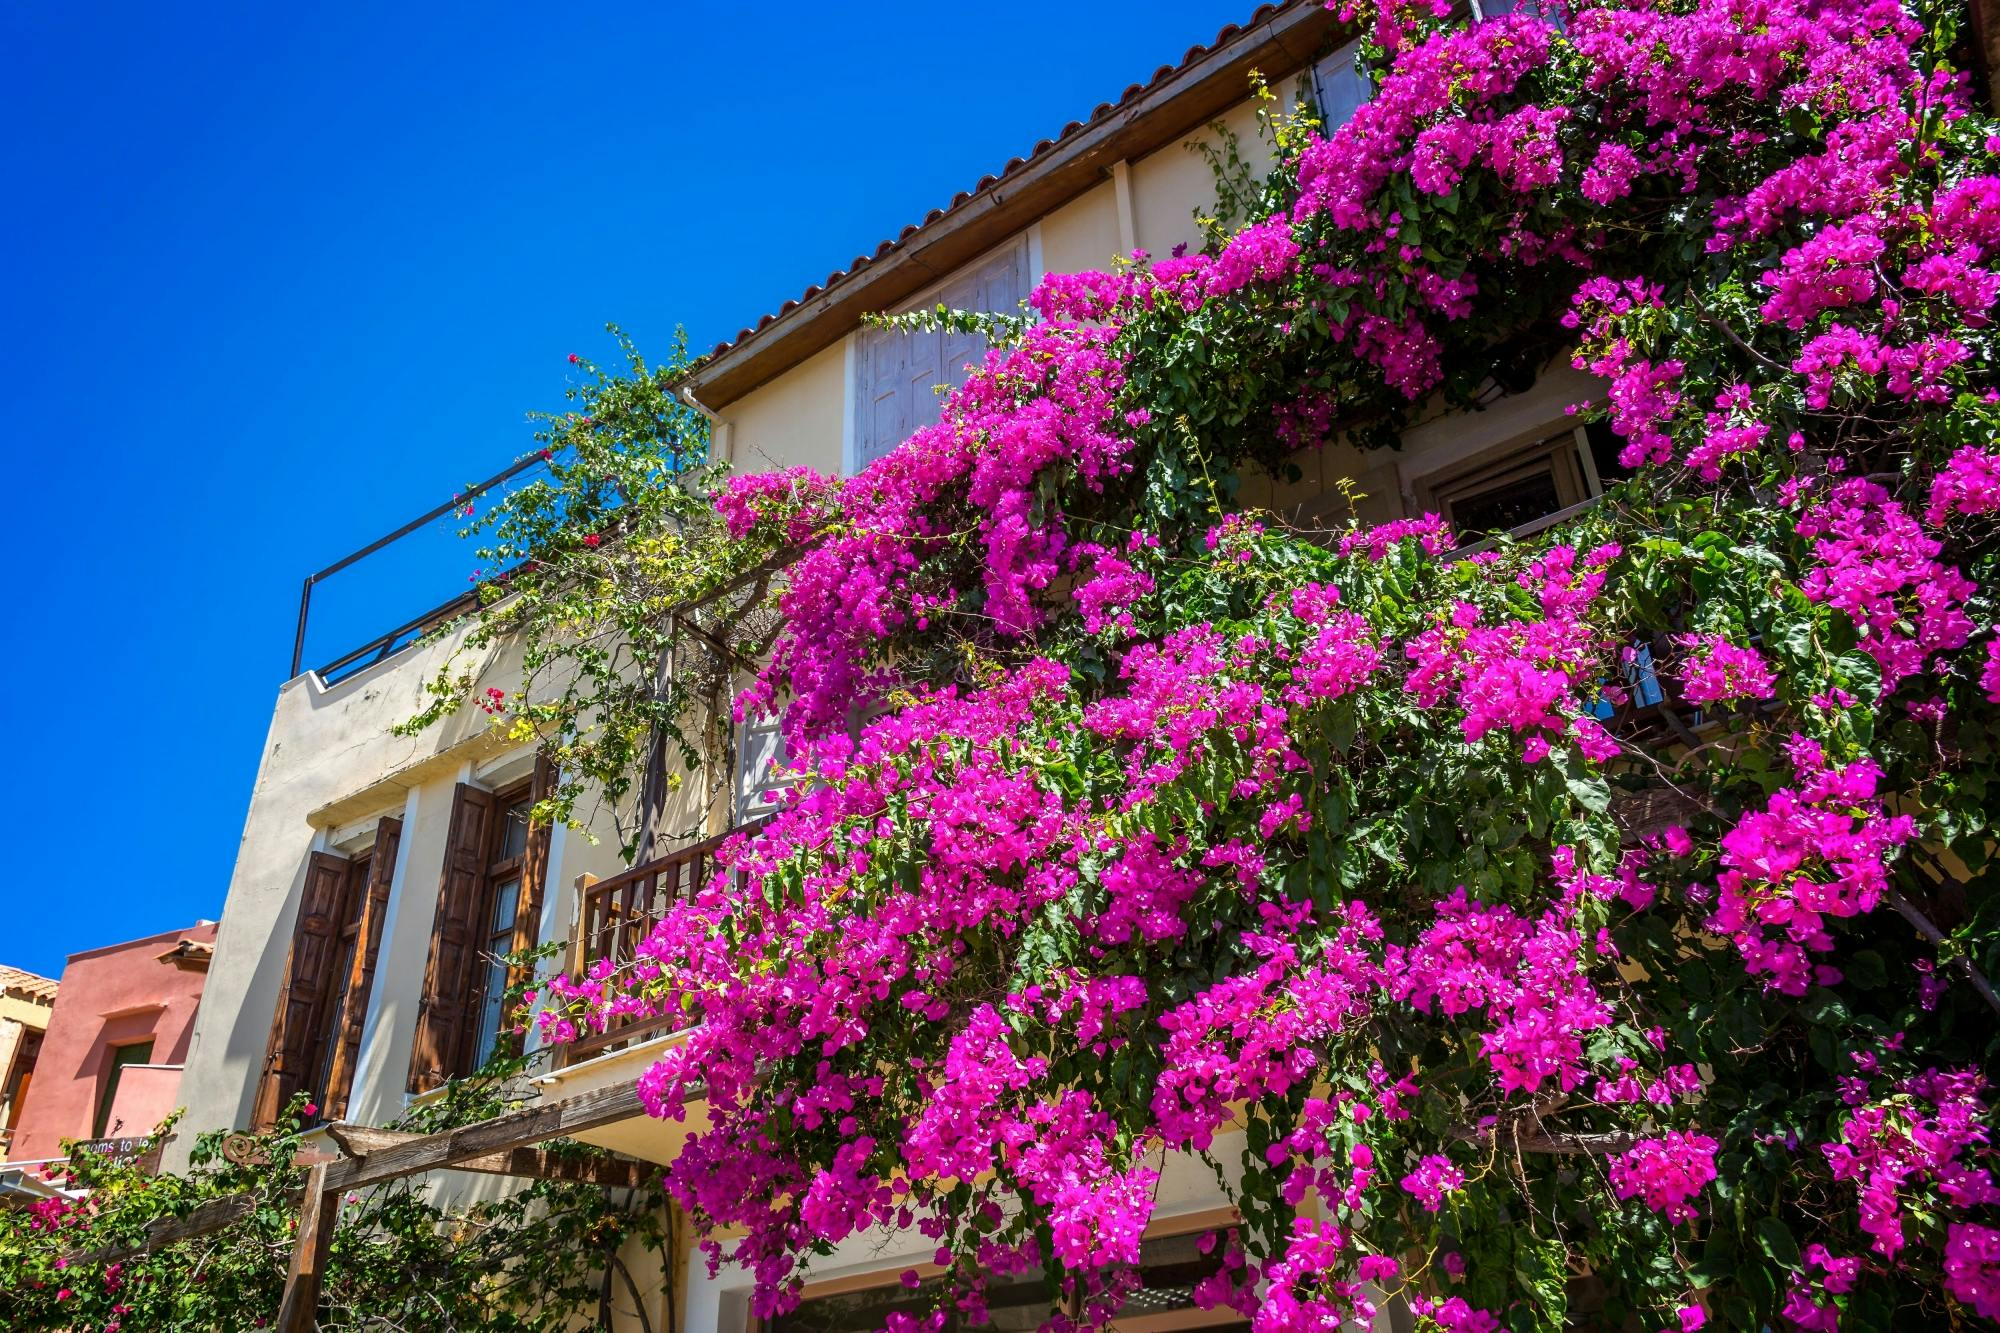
point(1119, 815)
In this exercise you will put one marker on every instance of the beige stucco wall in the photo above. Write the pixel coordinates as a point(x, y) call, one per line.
point(1084, 233)
point(330, 769)
point(796, 419)
point(1170, 184)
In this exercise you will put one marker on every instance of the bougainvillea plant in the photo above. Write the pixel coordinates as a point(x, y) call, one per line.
point(1592, 928)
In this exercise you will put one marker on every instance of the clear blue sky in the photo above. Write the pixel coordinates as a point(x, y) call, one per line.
point(273, 281)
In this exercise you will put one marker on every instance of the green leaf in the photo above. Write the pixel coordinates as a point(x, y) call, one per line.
point(1774, 1238)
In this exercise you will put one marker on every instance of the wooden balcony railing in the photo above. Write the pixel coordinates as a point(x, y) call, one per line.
point(614, 916)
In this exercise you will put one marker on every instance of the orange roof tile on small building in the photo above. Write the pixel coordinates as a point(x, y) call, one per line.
point(190, 955)
point(1178, 98)
point(27, 985)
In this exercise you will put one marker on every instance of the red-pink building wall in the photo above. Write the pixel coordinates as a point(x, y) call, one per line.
point(111, 997)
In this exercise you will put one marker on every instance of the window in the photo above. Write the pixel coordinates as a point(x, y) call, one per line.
point(329, 970)
point(1169, 1269)
point(1340, 86)
point(1518, 488)
point(489, 905)
point(15, 1095)
point(1548, 12)
point(760, 761)
point(502, 918)
point(327, 1024)
point(341, 983)
point(897, 374)
point(117, 1059)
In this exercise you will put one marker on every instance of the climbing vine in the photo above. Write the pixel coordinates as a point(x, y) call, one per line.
point(629, 610)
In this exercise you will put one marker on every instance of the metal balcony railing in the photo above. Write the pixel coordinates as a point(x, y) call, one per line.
point(402, 636)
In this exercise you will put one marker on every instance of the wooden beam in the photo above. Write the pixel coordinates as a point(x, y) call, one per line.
point(517, 1129)
point(300, 1311)
point(536, 1163)
point(409, 1156)
point(205, 1220)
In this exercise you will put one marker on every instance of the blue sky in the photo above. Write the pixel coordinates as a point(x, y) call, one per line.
point(273, 281)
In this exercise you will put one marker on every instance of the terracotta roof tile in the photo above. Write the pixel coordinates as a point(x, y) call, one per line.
point(26, 984)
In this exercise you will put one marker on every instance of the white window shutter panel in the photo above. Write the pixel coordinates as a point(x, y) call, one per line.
point(1341, 86)
point(760, 752)
point(900, 372)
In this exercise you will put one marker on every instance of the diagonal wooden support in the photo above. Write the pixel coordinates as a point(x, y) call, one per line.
point(535, 1163)
point(300, 1311)
point(503, 1133)
point(486, 1143)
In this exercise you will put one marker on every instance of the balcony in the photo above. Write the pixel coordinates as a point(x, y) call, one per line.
point(613, 917)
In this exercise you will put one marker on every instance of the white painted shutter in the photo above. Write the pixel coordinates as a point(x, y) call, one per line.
point(760, 751)
point(1341, 86)
point(899, 372)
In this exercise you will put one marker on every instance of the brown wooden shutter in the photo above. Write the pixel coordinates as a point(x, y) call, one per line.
point(302, 996)
point(534, 881)
point(361, 974)
point(444, 1019)
point(534, 867)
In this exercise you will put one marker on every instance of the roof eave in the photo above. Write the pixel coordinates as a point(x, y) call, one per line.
point(1278, 40)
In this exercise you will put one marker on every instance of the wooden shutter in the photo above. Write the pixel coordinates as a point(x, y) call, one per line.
point(444, 1018)
point(997, 286)
point(534, 867)
point(890, 360)
point(1340, 86)
point(302, 997)
point(900, 372)
point(361, 974)
point(534, 878)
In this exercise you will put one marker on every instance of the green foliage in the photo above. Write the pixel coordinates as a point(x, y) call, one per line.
point(528, 1261)
point(591, 564)
point(531, 1260)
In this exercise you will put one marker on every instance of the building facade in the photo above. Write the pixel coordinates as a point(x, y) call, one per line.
point(380, 874)
point(26, 1001)
point(110, 1061)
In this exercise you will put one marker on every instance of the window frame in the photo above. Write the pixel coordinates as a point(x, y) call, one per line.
point(1563, 447)
point(1186, 1228)
point(330, 1008)
point(499, 867)
point(748, 802)
point(1342, 56)
point(1532, 8)
point(115, 1066)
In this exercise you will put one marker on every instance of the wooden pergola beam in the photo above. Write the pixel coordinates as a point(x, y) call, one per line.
point(536, 1163)
point(504, 1145)
point(300, 1311)
point(205, 1220)
point(484, 1143)
point(504, 1133)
